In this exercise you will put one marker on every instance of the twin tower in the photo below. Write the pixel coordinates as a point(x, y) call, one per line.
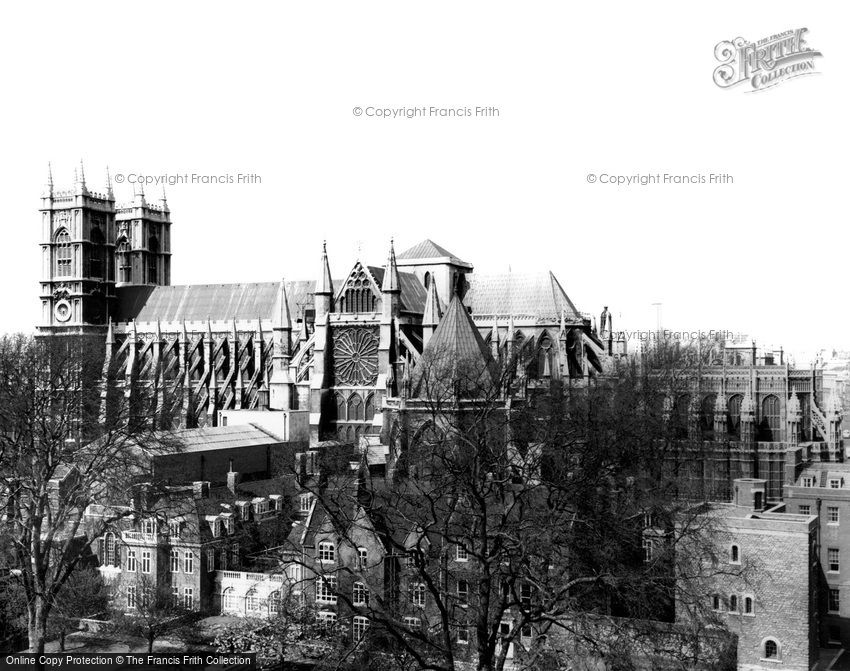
point(91, 248)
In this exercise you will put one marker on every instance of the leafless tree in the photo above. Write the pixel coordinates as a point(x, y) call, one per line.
point(537, 522)
point(60, 453)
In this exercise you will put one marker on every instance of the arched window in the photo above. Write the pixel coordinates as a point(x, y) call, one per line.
point(771, 649)
point(349, 435)
point(681, 411)
point(369, 412)
point(715, 601)
point(228, 600)
point(252, 602)
point(734, 554)
point(735, 414)
point(97, 260)
point(153, 257)
point(748, 605)
point(110, 550)
point(544, 357)
point(733, 604)
point(770, 418)
point(274, 602)
point(123, 261)
point(340, 406)
point(63, 253)
point(707, 412)
point(355, 407)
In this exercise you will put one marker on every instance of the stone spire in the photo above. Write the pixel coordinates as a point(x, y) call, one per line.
point(282, 318)
point(391, 281)
point(163, 200)
point(494, 338)
point(80, 180)
point(325, 284)
point(109, 194)
point(432, 313)
point(48, 187)
point(139, 195)
point(324, 291)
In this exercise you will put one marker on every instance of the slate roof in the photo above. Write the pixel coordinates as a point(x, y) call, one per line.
point(455, 359)
point(427, 249)
point(412, 291)
point(537, 295)
point(224, 437)
point(218, 302)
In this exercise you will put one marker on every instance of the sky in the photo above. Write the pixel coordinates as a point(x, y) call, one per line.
point(615, 88)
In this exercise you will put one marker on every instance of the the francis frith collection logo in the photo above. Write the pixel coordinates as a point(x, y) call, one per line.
point(766, 63)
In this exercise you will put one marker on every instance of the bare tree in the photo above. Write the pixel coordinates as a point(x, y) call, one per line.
point(148, 609)
point(526, 522)
point(60, 452)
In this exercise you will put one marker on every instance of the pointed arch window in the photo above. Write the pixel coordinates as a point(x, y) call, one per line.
point(340, 406)
point(544, 357)
point(153, 257)
point(355, 407)
point(770, 418)
point(124, 262)
point(735, 414)
point(369, 411)
point(63, 253)
point(707, 412)
point(358, 295)
point(97, 258)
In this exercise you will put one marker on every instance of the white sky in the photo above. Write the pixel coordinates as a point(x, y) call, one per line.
point(614, 87)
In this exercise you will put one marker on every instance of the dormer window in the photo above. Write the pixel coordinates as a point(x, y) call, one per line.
point(174, 528)
point(217, 528)
point(304, 502)
point(230, 525)
point(834, 483)
point(808, 481)
point(149, 526)
point(261, 507)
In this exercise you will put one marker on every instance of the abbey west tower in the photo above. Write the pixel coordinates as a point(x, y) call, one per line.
point(90, 248)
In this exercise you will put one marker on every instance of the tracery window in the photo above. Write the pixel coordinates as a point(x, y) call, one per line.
point(770, 417)
point(735, 414)
point(124, 263)
point(97, 261)
point(153, 256)
point(64, 253)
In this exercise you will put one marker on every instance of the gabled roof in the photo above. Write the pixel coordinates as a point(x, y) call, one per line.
point(412, 292)
point(218, 302)
point(536, 295)
point(427, 249)
point(456, 360)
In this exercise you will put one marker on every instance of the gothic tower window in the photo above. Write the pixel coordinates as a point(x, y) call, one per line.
point(370, 408)
point(97, 263)
point(427, 280)
point(64, 254)
point(153, 247)
point(124, 262)
point(770, 417)
point(735, 414)
point(340, 406)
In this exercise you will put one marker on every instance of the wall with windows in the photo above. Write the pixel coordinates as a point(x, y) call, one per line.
point(824, 490)
point(762, 586)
